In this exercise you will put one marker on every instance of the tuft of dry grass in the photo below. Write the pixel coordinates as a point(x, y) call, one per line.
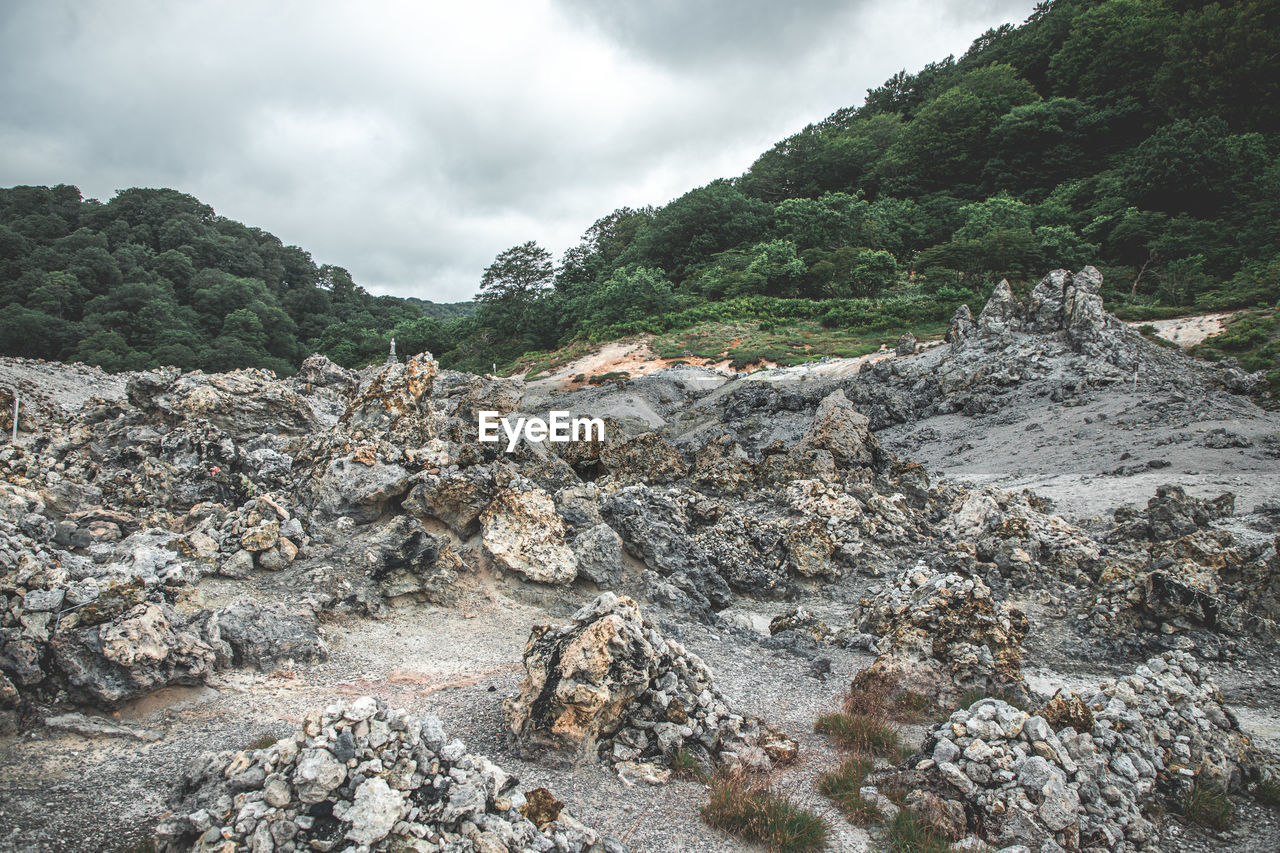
point(1208, 806)
point(906, 833)
point(865, 725)
point(860, 733)
point(746, 807)
point(842, 785)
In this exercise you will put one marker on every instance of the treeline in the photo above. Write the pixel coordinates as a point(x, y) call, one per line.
point(154, 277)
point(1137, 135)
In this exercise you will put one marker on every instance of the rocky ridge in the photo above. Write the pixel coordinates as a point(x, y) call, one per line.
point(176, 527)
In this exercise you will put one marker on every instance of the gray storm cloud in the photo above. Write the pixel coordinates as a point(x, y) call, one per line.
point(412, 142)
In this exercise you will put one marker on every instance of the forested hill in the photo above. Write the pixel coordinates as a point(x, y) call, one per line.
point(1137, 135)
point(154, 277)
point(1140, 136)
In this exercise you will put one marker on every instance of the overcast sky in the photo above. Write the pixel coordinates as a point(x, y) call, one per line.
point(413, 141)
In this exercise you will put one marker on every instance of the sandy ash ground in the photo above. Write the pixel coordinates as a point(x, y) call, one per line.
point(1108, 445)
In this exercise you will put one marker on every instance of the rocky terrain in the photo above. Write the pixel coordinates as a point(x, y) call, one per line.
point(240, 612)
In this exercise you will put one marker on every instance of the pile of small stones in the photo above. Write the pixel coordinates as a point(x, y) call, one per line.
point(1077, 774)
point(359, 776)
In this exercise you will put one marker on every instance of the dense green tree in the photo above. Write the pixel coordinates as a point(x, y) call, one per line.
point(945, 144)
point(697, 225)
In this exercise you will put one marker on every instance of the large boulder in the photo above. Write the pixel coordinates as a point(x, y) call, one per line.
point(839, 428)
point(360, 487)
point(1000, 314)
point(455, 497)
point(704, 548)
point(646, 457)
point(143, 650)
point(267, 636)
point(609, 685)
point(522, 533)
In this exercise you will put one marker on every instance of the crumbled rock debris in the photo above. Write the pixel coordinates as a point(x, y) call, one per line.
point(379, 778)
point(1009, 777)
point(167, 535)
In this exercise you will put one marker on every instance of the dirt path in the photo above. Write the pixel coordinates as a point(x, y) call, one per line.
point(1188, 331)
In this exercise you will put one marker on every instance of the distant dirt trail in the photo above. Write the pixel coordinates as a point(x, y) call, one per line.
point(1188, 331)
point(633, 356)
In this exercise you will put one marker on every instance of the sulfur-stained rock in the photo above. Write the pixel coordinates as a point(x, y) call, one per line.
point(522, 533)
point(242, 402)
point(394, 404)
point(608, 684)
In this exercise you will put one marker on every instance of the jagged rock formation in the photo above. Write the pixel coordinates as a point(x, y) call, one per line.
point(1078, 774)
point(158, 527)
point(942, 635)
point(608, 684)
point(379, 778)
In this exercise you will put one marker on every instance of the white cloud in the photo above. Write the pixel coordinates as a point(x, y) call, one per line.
point(412, 142)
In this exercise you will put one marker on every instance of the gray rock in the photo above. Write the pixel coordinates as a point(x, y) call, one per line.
point(377, 808)
point(360, 491)
point(599, 552)
point(266, 636)
point(42, 600)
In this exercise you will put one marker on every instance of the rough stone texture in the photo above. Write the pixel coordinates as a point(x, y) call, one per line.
point(608, 684)
point(267, 636)
point(702, 548)
point(941, 634)
point(394, 403)
point(242, 402)
point(361, 489)
point(131, 655)
point(456, 498)
point(646, 457)
point(1021, 781)
point(842, 430)
point(599, 553)
point(522, 533)
point(363, 773)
